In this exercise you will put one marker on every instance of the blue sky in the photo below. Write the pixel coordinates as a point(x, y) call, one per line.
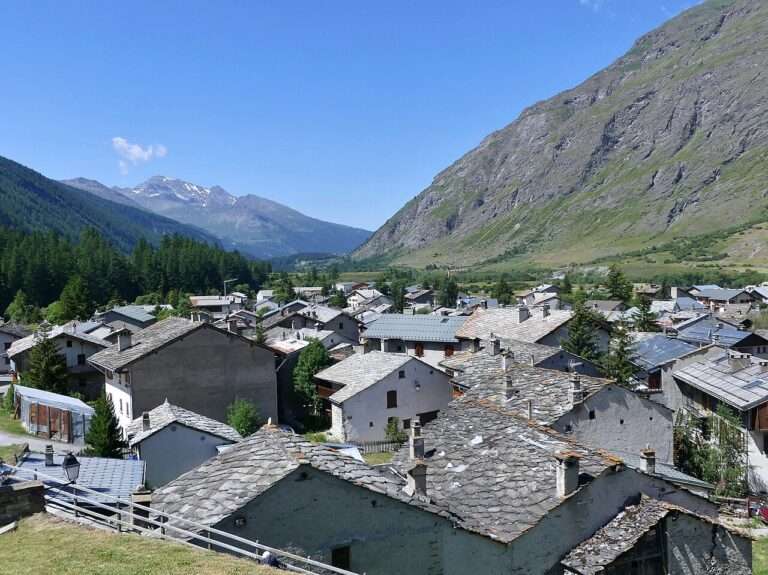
point(342, 109)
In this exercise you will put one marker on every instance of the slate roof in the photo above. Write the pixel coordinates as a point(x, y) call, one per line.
point(135, 312)
point(519, 351)
point(742, 387)
point(665, 471)
point(115, 477)
point(704, 331)
point(360, 371)
point(430, 328)
point(145, 341)
point(320, 313)
point(73, 329)
point(604, 304)
point(53, 399)
point(494, 472)
point(619, 536)
point(165, 414)
point(689, 304)
point(657, 350)
point(229, 481)
point(503, 323)
point(719, 294)
point(14, 329)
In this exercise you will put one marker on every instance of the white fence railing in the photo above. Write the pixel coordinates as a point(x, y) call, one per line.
point(80, 500)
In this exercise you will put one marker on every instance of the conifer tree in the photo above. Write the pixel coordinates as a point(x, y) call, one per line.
point(20, 311)
point(104, 438)
point(582, 336)
point(567, 286)
point(8, 399)
point(449, 293)
point(398, 295)
point(75, 300)
point(502, 291)
point(617, 285)
point(616, 363)
point(645, 319)
point(313, 358)
point(47, 368)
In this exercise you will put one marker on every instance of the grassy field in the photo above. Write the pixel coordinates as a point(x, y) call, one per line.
point(760, 557)
point(43, 544)
point(7, 452)
point(9, 424)
point(377, 458)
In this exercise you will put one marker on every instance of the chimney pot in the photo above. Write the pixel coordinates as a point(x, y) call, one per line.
point(145, 423)
point(648, 460)
point(494, 345)
point(545, 310)
point(576, 391)
point(417, 480)
point(509, 386)
point(505, 360)
point(567, 479)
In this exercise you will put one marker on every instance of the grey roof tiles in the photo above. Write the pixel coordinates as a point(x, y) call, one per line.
point(427, 328)
point(165, 414)
point(360, 371)
point(504, 323)
point(742, 384)
point(657, 350)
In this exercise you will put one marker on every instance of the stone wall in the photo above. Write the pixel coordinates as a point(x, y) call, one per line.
point(19, 500)
point(699, 547)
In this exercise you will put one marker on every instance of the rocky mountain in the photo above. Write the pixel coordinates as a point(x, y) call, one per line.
point(30, 201)
point(256, 226)
point(669, 141)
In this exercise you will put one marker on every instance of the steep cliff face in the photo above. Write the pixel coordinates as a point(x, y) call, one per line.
point(670, 140)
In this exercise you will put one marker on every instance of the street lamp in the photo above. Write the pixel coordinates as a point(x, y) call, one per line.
point(71, 467)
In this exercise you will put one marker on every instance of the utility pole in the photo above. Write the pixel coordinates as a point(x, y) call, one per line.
point(229, 281)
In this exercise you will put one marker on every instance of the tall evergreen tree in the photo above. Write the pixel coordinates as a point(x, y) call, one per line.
point(617, 284)
point(502, 291)
point(582, 333)
point(76, 300)
point(104, 438)
point(567, 286)
point(47, 368)
point(449, 292)
point(313, 358)
point(20, 311)
point(398, 295)
point(645, 319)
point(616, 363)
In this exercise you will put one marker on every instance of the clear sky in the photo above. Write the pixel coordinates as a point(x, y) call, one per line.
point(342, 109)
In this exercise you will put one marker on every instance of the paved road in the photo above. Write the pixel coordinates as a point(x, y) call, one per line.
point(37, 443)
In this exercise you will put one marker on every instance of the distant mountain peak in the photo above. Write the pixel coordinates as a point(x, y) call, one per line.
point(176, 190)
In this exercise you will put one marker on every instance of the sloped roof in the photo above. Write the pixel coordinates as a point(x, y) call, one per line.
point(321, 313)
point(519, 351)
point(503, 323)
point(146, 341)
point(604, 304)
point(742, 387)
point(657, 350)
point(53, 399)
point(360, 371)
point(73, 329)
point(165, 414)
point(14, 329)
point(430, 328)
point(719, 294)
point(135, 312)
point(494, 471)
point(664, 470)
point(229, 481)
point(708, 329)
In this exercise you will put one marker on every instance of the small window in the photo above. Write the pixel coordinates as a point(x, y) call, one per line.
point(406, 424)
point(400, 348)
point(340, 557)
point(419, 349)
point(80, 359)
point(69, 343)
point(621, 422)
point(448, 350)
point(391, 399)
point(341, 325)
point(401, 374)
point(568, 428)
point(370, 424)
point(591, 413)
point(121, 406)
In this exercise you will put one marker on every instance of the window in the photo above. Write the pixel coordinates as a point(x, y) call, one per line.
point(406, 424)
point(419, 349)
point(341, 325)
point(370, 424)
point(340, 557)
point(121, 406)
point(80, 359)
point(591, 413)
point(391, 399)
point(401, 374)
point(69, 343)
point(448, 350)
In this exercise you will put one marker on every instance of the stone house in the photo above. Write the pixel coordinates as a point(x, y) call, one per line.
point(706, 330)
point(430, 338)
point(172, 440)
point(715, 295)
point(217, 306)
point(368, 390)
point(191, 364)
point(9, 333)
point(130, 317)
point(319, 317)
point(651, 352)
point(76, 343)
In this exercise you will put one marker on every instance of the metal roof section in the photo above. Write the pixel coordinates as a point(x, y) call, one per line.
point(427, 328)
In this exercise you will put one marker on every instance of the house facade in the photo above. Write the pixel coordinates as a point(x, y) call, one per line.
point(9, 333)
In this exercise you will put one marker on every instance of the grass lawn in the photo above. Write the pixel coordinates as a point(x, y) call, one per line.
point(44, 544)
point(378, 458)
point(760, 557)
point(8, 451)
point(10, 425)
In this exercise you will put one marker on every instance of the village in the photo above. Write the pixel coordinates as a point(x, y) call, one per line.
point(377, 427)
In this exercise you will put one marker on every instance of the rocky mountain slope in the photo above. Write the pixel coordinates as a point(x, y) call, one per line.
point(669, 141)
point(30, 201)
point(252, 224)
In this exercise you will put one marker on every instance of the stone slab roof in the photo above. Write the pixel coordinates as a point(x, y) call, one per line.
point(494, 471)
point(135, 312)
point(657, 350)
point(428, 328)
point(718, 294)
point(14, 329)
point(360, 371)
point(320, 313)
point(229, 481)
point(707, 329)
point(741, 385)
point(75, 330)
point(144, 342)
point(619, 536)
point(165, 414)
point(503, 323)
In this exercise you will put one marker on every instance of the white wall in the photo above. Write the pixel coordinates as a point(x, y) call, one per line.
point(365, 415)
point(120, 392)
point(433, 352)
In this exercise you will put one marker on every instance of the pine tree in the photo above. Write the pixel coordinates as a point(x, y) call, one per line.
point(243, 416)
point(582, 336)
point(313, 358)
point(8, 400)
point(47, 368)
point(260, 336)
point(645, 319)
point(502, 291)
point(616, 363)
point(567, 286)
point(337, 300)
point(398, 295)
point(617, 285)
point(75, 300)
point(104, 438)
point(20, 311)
point(449, 293)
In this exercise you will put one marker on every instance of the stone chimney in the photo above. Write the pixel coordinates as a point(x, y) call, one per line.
point(506, 360)
point(738, 360)
point(509, 386)
point(648, 460)
point(232, 325)
point(123, 341)
point(145, 423)
point(523, 313)
point(49, 455)
point(673, 292)
point(416, 441)
point(567, 472)
point(493, 347)
point(475, 345)
point(417, 480)
point(576, 392)
point(545, 310)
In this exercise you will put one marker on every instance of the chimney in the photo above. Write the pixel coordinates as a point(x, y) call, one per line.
point(145, 424)
point(763, 363)
point(567, 478)
point(576, 393)
point(506, 360)
point(317, 327)
point(232, 325)
point(523, 313)
point(484, 304)
point(417, 480)
point(475, 343)
point(737, 361)
point(545, 310)
point(533, 360)
point(383, 344)
point(123, 341)
point(48, 455)
point(494, 345)
point(673, 293)
point(509, 386)
point(648, 460)
point(416, 442)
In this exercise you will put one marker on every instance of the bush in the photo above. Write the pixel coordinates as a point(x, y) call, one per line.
point(243, 416)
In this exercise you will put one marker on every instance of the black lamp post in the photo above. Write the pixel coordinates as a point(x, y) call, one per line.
point(71, 468)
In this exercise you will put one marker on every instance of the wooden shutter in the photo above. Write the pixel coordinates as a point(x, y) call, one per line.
point(762, 417)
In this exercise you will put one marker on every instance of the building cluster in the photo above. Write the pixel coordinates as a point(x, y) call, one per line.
point(511, 454)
